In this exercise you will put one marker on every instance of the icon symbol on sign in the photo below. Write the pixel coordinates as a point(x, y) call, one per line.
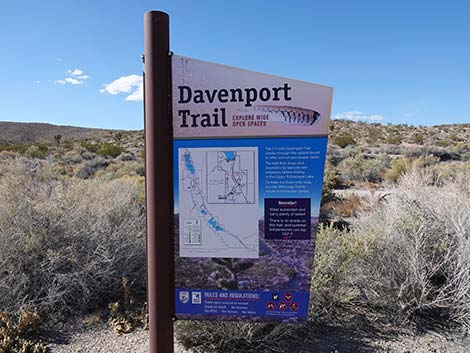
point(276, 296)
point(270, 306)
point(196, 298)
point(184, 297)
point(288, 297)
point(294, 306)
point(282, 306)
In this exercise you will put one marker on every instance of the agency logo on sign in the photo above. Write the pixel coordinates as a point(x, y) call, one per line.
point(184, 297)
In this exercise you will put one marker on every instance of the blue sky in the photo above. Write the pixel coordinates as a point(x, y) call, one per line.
point(389, 61)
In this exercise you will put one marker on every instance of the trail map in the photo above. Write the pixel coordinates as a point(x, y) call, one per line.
point(214, 185)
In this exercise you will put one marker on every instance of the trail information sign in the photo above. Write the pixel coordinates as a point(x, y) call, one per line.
point(249, 154)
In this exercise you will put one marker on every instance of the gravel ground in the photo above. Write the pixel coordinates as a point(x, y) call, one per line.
point(324, 339)
point(104, 340)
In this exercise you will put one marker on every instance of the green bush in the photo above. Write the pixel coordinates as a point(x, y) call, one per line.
point(37, 151)
point(397, 169)
point(110, 150)
point(90, 147)
point(17, 148)
point(337, 256)
point(418, 139)
point(360, 168)
point(67, 145)
point(394, 139)
point(344, 139)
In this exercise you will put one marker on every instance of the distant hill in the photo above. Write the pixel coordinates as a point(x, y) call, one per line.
point(359, 133)
point(342, 132)
point(12, 132)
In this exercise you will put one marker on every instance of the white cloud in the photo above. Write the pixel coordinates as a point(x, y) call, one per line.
point(355, 115)
point(76, 77)
point(73, 81)
point(132, 84)
point(75, 72)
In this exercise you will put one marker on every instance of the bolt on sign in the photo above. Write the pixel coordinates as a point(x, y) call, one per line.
point(248, 157)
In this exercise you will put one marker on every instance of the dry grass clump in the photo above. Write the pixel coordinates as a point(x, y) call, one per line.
point(129, 313)
point(66, 243)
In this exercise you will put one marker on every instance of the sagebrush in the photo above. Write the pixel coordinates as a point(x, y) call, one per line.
point(66, 243)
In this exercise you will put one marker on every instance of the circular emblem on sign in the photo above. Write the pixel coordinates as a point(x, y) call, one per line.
point(270, 306)
point(294, 306)
point(288, 297)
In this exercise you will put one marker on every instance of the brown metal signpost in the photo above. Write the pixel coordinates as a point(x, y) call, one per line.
point(159, 180)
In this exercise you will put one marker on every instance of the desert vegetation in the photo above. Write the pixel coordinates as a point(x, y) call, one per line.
point(393, 239)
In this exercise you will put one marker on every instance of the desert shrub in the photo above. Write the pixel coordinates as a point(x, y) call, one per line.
point(127, 314)
point(125, 157)
point(394, 139)
point(67, 145)
point(17, 148)
point(424, 162)
point(88, 155)
point(444, 154)
point(65, 244)
point(90, 168)
point(335, 271)
point(344, 139)
point(331, 181)
point(348, 207)
point(330, 178)
point(413, 151)
point(450, 171)
point(57, 139)
point(110, 150)
point(390, 150)
point(359, 168)
point(222, 337)
point(6, 155)
point(16, 336)
point(37, 151)
point(462, 150)
point(72, 157)
point(335, 154)
point(418, 139)
point(140, 170)
point(92, 147)
point(442, 143)
point(418, 258)
point(120, 169)
point(118, 136)
point(398, 167)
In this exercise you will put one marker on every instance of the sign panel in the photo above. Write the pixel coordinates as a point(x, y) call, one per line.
point(249, 154)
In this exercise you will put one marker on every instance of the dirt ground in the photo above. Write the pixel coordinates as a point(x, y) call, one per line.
point(78, 338)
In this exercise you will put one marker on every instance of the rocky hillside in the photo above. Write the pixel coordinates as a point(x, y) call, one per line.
point(26, 133)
